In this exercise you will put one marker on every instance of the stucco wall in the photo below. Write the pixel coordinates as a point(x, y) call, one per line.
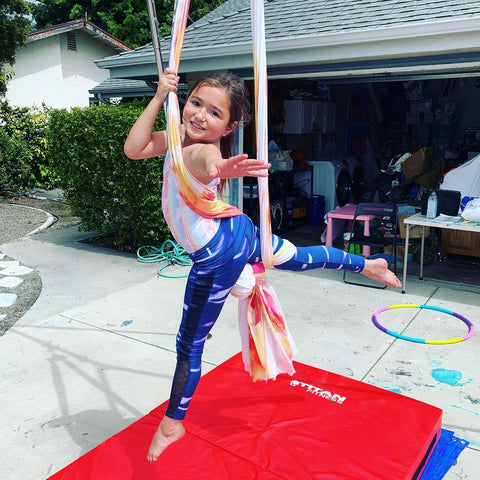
point(37, 72)
point(47, 72)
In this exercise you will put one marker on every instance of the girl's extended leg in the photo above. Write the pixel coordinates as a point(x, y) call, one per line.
point(215, 270)
point(320, 256)
point(289, 257)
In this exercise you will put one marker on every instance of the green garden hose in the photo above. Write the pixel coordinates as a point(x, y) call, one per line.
point(171, 252)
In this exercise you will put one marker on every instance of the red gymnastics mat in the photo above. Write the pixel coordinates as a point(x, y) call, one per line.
point(312, 425)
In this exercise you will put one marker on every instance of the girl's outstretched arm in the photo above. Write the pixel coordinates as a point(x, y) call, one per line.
point(206, 163)
point(239, 166)
point(142, 142)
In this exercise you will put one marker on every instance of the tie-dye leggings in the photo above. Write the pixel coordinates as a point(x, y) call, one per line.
point(216, 268)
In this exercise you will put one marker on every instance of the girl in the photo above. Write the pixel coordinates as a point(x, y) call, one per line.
point(218, 247)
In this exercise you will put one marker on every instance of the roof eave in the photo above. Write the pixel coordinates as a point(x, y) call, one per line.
point(84, 25)
point(402, 41)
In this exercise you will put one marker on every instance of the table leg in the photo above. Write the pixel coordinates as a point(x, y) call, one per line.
point(329, 239)
point(366, 232)
point(422, 251)
point(405, 259)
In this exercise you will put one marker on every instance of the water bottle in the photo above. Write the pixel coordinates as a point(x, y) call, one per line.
point(432, 205)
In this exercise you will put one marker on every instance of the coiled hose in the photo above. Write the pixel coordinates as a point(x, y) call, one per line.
point(170, 252)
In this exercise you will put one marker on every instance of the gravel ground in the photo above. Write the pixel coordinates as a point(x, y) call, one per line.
point(18, 217)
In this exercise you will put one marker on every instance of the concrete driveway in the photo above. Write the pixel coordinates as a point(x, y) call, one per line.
point(96, 351)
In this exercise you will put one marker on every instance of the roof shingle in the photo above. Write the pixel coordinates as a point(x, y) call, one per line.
point(229, 24)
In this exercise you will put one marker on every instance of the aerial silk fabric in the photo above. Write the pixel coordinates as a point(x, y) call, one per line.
point(206, 202)
point(261, 120)
point(267, 346)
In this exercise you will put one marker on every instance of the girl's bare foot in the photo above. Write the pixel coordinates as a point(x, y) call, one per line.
point(377, 269)
point(168, 432)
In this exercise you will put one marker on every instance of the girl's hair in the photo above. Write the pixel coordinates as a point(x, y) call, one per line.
point(238, 96)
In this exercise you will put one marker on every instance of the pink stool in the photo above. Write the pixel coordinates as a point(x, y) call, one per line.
point(347, 213)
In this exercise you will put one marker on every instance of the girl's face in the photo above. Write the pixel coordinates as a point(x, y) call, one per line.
point(206, 114)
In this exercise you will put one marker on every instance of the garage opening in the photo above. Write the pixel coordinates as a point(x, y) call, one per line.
point(343, 139)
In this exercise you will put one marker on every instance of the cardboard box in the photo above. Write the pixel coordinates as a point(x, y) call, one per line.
point(417, 163)
point(461, 243)
point(415, 230)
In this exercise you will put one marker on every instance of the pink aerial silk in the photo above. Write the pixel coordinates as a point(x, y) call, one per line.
point(267, 346)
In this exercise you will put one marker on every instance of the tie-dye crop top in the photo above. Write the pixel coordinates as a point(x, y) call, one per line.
point(190, 230)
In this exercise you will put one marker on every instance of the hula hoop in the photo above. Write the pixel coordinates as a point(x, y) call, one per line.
point(470, 325)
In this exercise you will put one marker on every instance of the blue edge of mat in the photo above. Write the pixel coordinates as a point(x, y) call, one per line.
point(444, 456)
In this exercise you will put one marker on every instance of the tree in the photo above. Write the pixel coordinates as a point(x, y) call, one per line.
point(125, 19)
point(14, 26)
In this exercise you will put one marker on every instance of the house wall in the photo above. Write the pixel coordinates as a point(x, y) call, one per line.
point(79, 71)
point(47, 72)
point(37, 73)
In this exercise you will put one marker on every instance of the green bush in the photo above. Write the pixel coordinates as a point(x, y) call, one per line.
point(27, 125)
point(114, 196)
point(15, 171)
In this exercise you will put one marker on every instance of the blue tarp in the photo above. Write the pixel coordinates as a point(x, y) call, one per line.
point(446, 452)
